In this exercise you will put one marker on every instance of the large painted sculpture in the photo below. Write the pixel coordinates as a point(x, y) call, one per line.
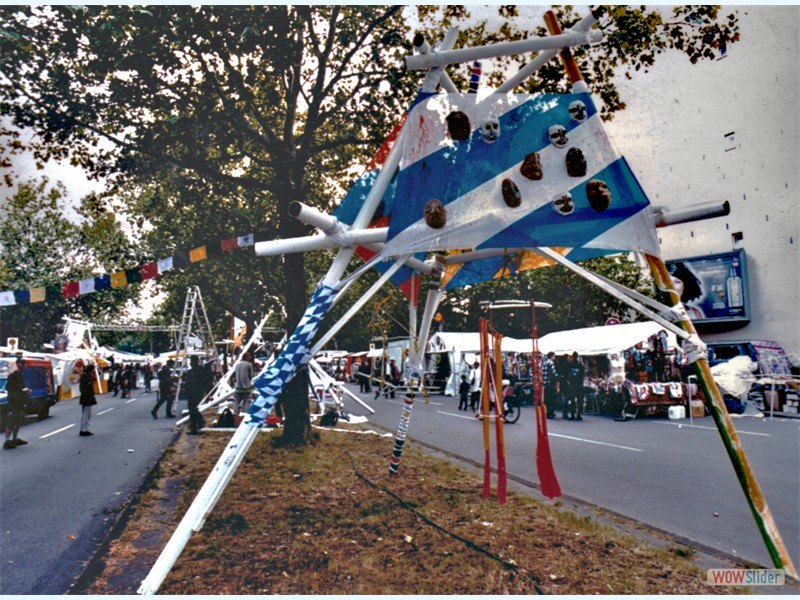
point(480, 181)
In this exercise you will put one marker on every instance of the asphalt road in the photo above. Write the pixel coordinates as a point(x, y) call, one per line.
point(672, 475)
point(61, 493)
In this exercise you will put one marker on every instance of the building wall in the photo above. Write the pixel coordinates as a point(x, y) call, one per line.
point(674, 134)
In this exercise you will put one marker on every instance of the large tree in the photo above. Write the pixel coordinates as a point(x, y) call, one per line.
point(208, 120)
point(41, 247)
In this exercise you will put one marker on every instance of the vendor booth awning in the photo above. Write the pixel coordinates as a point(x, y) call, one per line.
point(606, 339)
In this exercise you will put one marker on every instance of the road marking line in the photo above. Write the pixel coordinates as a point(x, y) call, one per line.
point(131, 400)
point(472, 418)
point(577, 439)
point(105, 411)
point(47, 435)
point(395, 401)
point(713, 428)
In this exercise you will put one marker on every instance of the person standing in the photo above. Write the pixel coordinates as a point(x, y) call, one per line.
point(199, 379)
point(475, 386)
point(14, 410)
point(125, 382)
point(147, 375)
point(463, 394)
point(573, 395)
point(394, 376)
point(550, 385)
point(364, 374)
point(166, 390)
point(88, 400)
point(243, 383)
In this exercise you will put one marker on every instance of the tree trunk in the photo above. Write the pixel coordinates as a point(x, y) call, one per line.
point(294, 400)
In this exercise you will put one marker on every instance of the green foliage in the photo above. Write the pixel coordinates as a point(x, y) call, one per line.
point(634, 36)
point(41, 247)
point(575, 302)
point(207, 121)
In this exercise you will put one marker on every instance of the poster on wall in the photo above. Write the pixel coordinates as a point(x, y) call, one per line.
point(713, 288)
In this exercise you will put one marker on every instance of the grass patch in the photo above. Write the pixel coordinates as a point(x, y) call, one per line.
point(329, 519)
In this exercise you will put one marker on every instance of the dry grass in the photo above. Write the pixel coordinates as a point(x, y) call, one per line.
point(329, 519)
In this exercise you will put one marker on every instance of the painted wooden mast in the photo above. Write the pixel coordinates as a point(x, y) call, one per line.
point(714, 402)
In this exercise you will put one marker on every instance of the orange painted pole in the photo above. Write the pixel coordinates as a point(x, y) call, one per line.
point(573, 73)
point(499, 409)
point(716, 407)
point(483, 328)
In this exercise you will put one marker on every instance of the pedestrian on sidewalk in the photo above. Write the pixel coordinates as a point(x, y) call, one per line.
point(13, 412)
point(88, 400)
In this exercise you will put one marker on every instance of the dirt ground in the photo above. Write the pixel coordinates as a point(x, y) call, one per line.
point(329, 519)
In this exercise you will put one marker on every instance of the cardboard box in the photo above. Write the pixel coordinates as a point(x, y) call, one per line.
point(698, 409)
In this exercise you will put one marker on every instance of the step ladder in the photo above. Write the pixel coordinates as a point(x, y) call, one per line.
point(194, 324)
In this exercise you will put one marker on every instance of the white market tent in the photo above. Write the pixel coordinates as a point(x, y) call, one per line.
point(606, 339)
point(461, 349)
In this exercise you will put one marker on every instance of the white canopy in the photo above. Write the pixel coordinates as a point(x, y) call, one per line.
point(447, 341)
point(461, 349)
point(606, 339)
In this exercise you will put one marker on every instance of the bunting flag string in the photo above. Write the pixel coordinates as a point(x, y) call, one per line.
point(125, 277)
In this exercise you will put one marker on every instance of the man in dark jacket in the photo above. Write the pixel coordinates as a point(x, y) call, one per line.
point(14, 411)
point(199, 380)
point(166, 390)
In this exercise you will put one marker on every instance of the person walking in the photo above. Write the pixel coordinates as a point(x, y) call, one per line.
point(199, 380)
point(13, 412)
point(166, 390)
point(88, 399)
point(550, 385)
point(243, 383)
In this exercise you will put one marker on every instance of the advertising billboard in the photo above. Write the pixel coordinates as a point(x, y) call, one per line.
point(713, 288)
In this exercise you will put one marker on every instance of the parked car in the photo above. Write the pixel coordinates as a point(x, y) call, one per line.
point(769, 356)
point(38, 374)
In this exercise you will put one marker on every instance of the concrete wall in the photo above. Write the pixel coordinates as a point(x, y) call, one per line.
point(674, 136)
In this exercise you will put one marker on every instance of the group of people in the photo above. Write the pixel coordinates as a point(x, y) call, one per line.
point(196, 382)
point(364, 373)
point(562, 385)
point(124, 378)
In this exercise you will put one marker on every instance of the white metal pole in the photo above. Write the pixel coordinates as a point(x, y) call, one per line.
point(555, 256)
point(203, 502)
point(467, 55)
point(319, 345)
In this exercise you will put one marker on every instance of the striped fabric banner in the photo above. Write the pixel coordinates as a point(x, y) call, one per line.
point(125, 277)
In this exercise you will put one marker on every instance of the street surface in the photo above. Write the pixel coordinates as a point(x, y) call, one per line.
point(60, 494)
point(672, 475)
